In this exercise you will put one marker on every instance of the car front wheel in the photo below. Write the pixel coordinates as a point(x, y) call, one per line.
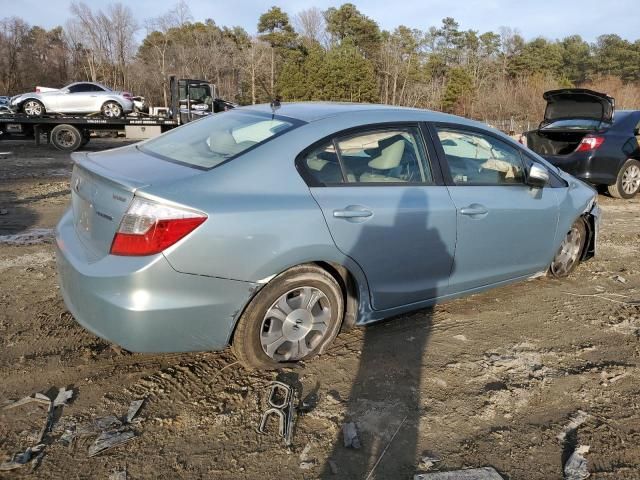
point(33, 108)
point(628, 182)
point(294, 317)
point(570, 252)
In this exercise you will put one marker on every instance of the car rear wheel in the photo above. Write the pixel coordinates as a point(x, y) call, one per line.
point(570, 252)
point(294, 317)
point(628, 182)
point(33, 108)
point(111, 109)
point(66, 137)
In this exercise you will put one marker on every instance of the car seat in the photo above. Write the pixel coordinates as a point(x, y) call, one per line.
point(385, 167)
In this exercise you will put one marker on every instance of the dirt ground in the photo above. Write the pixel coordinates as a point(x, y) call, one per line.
point(490, 380)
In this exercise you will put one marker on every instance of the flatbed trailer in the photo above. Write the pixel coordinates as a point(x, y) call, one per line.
point(70, 132)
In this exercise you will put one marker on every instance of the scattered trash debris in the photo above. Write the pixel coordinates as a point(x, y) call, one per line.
point(619, 278)
point(35, 453)
point(484, 473)
point(118, 475)
point(113, 431)
point(462, 338)
point(20, 459)
point(576, 467)
point(3, 211)
point(281, 402)
point(134, 408)
point(108, 440)
point(350, 435)
point(63, 397)
point(575, 421)
point(306, 461)
point(427, 461)
point(386, 448)
point(68, 436)
point(36, 398)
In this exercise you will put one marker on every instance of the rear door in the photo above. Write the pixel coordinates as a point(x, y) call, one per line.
point(506, 229)
point(387, 208)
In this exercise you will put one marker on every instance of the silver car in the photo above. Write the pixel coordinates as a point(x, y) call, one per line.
point(79, 97)
point(274, 229)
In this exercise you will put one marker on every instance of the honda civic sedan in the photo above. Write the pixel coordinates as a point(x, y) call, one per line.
point(271, 228)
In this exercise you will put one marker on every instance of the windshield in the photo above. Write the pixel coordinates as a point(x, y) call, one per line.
point(217, 138)
point(575, 124)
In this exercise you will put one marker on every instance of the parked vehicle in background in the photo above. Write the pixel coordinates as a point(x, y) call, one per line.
point(71, 132)
point(4, 103)
point(583, 135)
point(79, 97)
point(272, 228)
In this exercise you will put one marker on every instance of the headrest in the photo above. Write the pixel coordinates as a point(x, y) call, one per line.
point(390, 156)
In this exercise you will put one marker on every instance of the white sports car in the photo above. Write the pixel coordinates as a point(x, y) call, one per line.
point(79, 97)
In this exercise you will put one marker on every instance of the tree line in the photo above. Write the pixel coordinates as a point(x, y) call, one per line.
point(338, 54)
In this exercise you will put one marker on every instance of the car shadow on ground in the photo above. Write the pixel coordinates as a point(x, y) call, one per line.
point(384, 401)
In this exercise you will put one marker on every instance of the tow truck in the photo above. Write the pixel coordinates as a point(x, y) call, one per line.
point(190, 100)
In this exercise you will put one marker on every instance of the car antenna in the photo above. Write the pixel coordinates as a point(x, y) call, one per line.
point(275, 105)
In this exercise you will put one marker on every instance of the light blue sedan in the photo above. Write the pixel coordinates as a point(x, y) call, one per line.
point(272, 227)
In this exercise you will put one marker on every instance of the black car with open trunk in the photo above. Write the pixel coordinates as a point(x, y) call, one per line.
point(585, 136)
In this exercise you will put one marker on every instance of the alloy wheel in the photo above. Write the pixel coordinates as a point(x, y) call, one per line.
point(295, 324)
point(631, 180)
point(111, 110)
point(568, 253)
point(33, 108)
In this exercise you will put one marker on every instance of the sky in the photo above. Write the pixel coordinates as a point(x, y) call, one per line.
point(549, 18)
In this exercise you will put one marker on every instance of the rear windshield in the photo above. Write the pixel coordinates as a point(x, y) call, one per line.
point(214, 139)
point(575, 124)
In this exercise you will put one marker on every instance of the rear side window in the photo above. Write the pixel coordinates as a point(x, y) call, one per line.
point(382, 156)
point(478, 159)
point(212, 140)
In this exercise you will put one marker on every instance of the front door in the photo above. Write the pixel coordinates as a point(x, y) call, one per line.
point(506, 229)
point(377, 192)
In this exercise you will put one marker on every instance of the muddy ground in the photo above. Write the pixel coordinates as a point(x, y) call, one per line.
point(488, 380)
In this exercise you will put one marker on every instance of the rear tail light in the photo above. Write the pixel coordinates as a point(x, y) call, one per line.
point(127, 95)
point(149, 227)
point(589, 143)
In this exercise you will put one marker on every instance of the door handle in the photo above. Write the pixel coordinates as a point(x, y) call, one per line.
point(474, 210)
point(346, 213)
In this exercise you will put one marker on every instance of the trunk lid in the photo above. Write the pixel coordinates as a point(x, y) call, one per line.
point(103, 185)
point(569, 103)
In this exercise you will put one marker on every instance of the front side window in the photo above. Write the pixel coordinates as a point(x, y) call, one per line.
point(478, 159)
point(394, 155)
point(217, 138)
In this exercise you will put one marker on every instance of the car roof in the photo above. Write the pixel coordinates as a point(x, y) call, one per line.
point(313, 111)
point(85, 83)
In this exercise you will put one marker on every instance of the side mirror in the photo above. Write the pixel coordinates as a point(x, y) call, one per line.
point(538, 176)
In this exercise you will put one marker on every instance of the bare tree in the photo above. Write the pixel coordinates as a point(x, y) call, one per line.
point(310, 25)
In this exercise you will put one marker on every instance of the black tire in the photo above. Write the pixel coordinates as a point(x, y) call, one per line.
point(247, 344)
point(66, 137)
point(86, 138)
point(626, 187)
point(111, 109)
point(33, 108)
point(566, 261)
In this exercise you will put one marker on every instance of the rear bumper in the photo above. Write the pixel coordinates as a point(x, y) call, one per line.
point(581, 165)
point(143, 304)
